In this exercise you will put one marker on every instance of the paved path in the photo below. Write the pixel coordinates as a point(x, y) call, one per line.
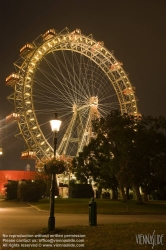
point(23, 219)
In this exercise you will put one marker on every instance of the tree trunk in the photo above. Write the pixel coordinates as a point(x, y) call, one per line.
point(127, 193)
point(114, 193)
point(138, 195)
point(145, 196)
point(124, 198)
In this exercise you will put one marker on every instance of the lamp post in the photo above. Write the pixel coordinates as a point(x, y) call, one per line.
point(55, 126)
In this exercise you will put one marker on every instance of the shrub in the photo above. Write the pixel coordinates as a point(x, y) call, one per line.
point(31, 191)
point(11, 190)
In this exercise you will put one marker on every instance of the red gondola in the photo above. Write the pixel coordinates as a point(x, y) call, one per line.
point(29, 154)
point(26, 49)
point(12, 117)
point(49, 34)
point(128, 91)
point(12, 79)
point(116, 66)
point(98, 45)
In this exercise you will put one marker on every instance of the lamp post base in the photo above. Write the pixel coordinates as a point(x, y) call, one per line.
point(51, 223)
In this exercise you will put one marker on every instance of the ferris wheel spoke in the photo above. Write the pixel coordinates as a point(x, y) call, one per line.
point(56, 82)
point(76, 79)
point(68, 78)
point(43, 97)
point(54, 87)
point(88, 69)
point(73, 87)
point(107, 97)
point(65, 87)
point(82, 77)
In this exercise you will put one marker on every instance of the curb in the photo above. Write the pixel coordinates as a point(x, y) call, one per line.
point(38, 209)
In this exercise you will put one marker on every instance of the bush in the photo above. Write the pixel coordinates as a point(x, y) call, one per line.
point(31, 191)
point(11, 190)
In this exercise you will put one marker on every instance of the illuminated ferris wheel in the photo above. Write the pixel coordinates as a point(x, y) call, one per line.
point(70, 74)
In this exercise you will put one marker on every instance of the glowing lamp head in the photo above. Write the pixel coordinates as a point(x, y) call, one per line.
point(1, 151)
point(55, 124)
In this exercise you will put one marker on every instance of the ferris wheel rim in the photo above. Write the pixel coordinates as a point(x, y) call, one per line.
point(75, 42)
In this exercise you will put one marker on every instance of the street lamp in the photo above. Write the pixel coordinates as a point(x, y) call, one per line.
point(55, 126)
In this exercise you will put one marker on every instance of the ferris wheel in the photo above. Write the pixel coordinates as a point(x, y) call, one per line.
point(70, 74)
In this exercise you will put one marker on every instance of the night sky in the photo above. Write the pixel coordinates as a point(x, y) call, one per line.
point(134, 30)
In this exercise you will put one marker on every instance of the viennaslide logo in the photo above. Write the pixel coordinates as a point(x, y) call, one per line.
point(150, 239)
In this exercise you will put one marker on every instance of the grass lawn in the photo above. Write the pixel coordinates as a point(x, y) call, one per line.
point(105, 237)
point(104, 206)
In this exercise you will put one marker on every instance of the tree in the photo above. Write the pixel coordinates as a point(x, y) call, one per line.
point(155, 154)
point(96, 161)
point(126, 148)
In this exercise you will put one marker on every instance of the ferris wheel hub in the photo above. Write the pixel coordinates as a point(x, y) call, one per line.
point(94, 101)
